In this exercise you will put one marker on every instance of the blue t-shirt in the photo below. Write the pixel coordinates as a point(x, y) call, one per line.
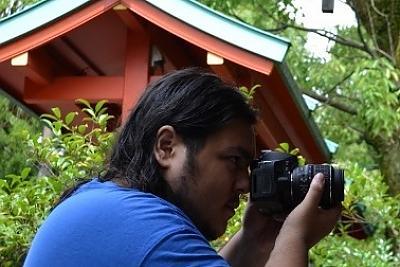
point(104, 224)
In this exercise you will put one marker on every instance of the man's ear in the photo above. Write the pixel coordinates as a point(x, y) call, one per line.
point(166, 144)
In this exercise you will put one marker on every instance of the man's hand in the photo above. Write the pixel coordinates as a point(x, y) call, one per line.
point(261, 229)
point(303, 228)
point(308, 221)
point(258, 239)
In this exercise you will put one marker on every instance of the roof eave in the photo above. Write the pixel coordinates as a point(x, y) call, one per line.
point(35, 17)
point(294, 91)
point(226, 28)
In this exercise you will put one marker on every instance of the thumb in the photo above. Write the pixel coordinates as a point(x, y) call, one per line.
point(315, 191)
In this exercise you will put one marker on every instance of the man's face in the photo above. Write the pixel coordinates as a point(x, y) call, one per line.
point(209, 193)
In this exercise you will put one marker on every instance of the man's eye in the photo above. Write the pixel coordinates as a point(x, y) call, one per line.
point(235, 159)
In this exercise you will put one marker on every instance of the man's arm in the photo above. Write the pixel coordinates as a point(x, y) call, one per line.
point(252, 244)
point(258, 243)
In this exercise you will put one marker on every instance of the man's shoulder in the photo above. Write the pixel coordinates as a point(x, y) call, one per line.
point(117, 224)
point(130, 205)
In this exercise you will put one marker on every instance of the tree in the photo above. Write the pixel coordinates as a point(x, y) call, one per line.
point(8, 7)
point(358, 87)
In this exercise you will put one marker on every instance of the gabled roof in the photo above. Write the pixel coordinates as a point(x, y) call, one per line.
point(187, 27)
point(191, 12)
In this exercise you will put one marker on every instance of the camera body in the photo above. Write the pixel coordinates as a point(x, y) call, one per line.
point(278, 184)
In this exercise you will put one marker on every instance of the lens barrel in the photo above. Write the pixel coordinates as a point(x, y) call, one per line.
point(301, 178)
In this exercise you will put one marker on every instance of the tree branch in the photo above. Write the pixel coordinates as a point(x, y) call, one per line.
point(359, 30)
point(331, 102)
point(340, 82)
point(331, 36)
point(389, 31)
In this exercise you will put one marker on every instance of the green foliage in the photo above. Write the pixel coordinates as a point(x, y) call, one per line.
point(9, 7)
point(359, 109)
point(381, 212)
point(259, 13)
point(249, 93)
point(76, 150)
point(24, 203)
point(15, 129)
point(285, 148)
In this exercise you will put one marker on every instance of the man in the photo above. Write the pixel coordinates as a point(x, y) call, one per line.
point(173, 181)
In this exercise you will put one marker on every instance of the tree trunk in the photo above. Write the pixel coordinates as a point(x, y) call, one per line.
point(381, 19)
point(388, 150)
point(390, 165)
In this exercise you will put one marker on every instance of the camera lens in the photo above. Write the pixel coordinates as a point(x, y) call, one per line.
point(301, 178)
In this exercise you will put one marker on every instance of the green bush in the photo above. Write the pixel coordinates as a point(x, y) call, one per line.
point(77, 150)
point(24, 203)
point(73, 152)
point(380, 211)
point(15, 128)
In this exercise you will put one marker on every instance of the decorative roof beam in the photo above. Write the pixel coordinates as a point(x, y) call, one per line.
point(38, 67)
point(137, 62)
point(75, 49)
point(71, 88)
point(170, 46)
point(54, 30)
point(199, 38)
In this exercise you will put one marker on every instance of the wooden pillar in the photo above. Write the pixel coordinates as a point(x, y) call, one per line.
point(136, 67)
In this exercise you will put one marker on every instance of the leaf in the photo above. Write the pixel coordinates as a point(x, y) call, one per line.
point(56, 112)
point(49, 123)
point(253, 89)
point(294, 151)
point(285, 147)
point(25, 172)
point(102, 111)
point(84, 102)
point(70, 117)
point(49, 116)
point(301, 160)
point(90, 112)
point(99, 105)
point(57, 127)
point(82, 128)
point(103, 119)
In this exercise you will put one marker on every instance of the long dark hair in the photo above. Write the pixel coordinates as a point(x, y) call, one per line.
point(194, 102)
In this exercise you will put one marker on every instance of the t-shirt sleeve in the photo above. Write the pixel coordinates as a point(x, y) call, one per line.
point(182, 248)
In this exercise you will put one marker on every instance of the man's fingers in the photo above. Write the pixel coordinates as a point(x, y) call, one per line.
point(314, 194)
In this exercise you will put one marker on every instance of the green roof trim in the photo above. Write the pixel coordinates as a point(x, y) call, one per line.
point(226, 28)
point(304, 111)
point(35, 16)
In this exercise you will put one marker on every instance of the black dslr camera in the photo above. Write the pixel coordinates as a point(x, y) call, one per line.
point(278, 184)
